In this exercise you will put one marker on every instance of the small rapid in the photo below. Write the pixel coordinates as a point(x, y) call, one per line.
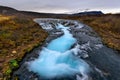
point(58, 59)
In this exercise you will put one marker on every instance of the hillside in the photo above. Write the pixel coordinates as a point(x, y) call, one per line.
point(18, 35)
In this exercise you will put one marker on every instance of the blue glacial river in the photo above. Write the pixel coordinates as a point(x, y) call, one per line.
point(57, 59)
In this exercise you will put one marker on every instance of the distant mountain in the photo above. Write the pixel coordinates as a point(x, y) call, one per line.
point(11, 11)
point(89, 13)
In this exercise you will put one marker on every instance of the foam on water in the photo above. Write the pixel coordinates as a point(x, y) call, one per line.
point(57, 59)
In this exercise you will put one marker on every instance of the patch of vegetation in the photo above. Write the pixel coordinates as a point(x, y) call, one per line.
point(13, 64)
point(18, 35)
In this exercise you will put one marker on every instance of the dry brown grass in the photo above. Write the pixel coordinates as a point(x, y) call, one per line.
point(107, 26)
point(18, 35)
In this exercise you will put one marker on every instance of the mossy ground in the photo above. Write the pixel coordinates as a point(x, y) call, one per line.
point(18, 35)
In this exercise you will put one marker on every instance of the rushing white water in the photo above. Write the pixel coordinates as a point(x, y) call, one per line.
point(58, 59)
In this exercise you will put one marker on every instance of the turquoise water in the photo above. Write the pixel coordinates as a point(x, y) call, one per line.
point(62, 43)
point(57, 60)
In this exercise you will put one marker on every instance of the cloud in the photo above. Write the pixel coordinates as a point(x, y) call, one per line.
point(60, 5)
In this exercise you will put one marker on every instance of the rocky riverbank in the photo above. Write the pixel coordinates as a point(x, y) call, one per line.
point(103, 61)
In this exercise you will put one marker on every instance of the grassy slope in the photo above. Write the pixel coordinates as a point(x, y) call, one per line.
point(18, 35)
point(107, 26)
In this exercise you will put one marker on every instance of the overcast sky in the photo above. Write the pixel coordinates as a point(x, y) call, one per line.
point(63, 6)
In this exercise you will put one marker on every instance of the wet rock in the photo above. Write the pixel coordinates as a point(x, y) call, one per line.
point(102, 57)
